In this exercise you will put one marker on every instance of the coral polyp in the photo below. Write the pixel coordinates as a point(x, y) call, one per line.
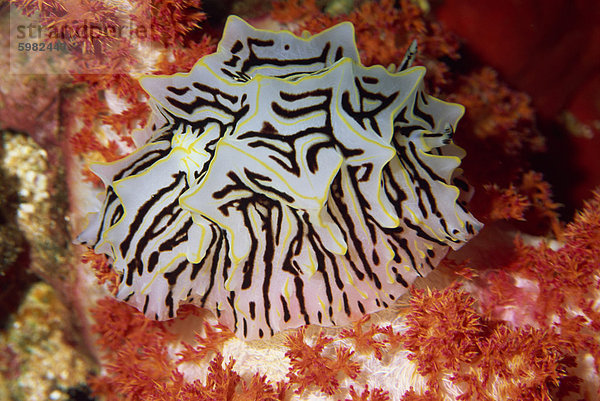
point(280, 183)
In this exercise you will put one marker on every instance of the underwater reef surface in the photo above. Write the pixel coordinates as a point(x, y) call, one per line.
point(513, 314)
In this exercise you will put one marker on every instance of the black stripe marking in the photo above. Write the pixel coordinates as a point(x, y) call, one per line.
point(286, 311)
point(178, 91)
point(252, 309)
point(172, 276)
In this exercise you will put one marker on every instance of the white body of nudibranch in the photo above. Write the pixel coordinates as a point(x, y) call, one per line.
point(281, 183)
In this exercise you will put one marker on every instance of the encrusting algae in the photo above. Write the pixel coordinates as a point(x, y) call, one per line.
point(11, 238)
point(38, 360)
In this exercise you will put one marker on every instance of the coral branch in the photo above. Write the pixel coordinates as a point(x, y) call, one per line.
point(310, 367)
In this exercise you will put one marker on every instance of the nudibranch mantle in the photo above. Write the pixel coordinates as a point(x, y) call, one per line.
point(280, 183)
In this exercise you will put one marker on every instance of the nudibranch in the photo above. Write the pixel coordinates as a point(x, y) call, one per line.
point(280, 183)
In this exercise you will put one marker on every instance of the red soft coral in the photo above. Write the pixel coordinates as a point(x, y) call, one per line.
point(566, 279)
point(102, 269)
point(139, 366)
point(168, 21)
point(507, 203)
point(367, 394)
point(449, 340)
point(183, 59)
point(383, 32)
point(309, 366)
point(366, 341)
point(442, 330)
point(496, 113)
point(530, 202)
point(211, 342)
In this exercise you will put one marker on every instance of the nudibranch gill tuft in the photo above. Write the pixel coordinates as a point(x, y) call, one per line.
point(280, 183)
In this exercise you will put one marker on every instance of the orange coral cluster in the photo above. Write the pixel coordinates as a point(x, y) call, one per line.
point(511, 128)
point(310, 367)
point(102, 269)
point(66, 20)
point(499, 134)
point(383, 33)
point(85, 134)
point(368, 341)
point(507, 203)
point(168, 21)
point(101, 63)
point(442, 329)
point(450, 342)
point(566, 283)
point(183, 59)
point(211, 342)
point(488, 360)
point(138, 364)
point(368, 395)
point(530, 202)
